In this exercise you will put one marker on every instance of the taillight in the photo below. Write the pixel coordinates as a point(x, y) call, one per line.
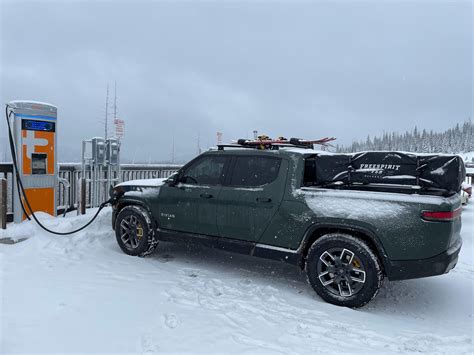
point(441, 216)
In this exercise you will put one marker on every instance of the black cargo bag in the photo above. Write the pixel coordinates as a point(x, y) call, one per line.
point(384, 168)
point(332, 168)
point(442, 171)
point(445, 172)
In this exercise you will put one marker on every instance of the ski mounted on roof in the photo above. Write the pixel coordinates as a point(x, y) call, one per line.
point(266, 143)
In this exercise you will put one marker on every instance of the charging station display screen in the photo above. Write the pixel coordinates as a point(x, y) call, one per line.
point(33, 125)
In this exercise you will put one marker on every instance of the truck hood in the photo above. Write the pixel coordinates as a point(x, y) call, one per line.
point(142, 183)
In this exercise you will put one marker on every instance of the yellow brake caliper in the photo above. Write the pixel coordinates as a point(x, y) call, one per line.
point(139, 231)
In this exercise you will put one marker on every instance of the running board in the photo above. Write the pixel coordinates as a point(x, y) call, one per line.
point(232, 245)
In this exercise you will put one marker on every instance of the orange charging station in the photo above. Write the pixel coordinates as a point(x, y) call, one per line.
point(35, 128)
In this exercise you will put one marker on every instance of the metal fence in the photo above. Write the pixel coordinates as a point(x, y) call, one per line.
point(70, 175)
point(470, 173)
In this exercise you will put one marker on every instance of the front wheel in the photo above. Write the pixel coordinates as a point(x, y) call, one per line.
point(134, 231)
point(343, 270)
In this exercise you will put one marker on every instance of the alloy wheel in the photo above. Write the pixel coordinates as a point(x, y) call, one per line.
point(341, 272)
point(131, 232)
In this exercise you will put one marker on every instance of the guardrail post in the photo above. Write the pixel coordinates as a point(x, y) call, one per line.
point(83, 196)
point(81, 208)
point(3, 203)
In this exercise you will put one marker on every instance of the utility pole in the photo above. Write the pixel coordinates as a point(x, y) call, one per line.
point(115, 109)
point(115, 102)
point(172, 151)
point(106, 112)
point(199, 143)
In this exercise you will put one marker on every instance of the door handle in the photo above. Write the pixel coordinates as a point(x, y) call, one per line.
point(205, 195)
point(264, 199)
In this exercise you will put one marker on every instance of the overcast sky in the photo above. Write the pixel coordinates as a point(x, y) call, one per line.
point(189, 69)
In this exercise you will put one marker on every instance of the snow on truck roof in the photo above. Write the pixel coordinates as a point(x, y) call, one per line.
point(274, 151)
point(298, 150)
point(307, 151)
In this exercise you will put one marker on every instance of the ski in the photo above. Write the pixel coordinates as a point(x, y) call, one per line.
point(265, 142)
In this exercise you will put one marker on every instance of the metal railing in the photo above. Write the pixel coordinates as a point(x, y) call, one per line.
point(70, 175)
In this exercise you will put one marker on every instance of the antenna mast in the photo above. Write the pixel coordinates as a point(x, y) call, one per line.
point(199, 143)
point(106, 112)
point(172, 151)
point(115, 102)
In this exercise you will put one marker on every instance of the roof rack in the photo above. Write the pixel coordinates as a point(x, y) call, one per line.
point(265, 143)
point(222, 146)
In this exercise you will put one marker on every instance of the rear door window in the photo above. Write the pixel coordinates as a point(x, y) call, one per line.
point(250, 171)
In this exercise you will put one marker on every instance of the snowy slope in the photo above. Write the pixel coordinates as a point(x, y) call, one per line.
point(82, 294)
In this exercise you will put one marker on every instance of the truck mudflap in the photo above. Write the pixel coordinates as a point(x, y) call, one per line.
point(414, 269)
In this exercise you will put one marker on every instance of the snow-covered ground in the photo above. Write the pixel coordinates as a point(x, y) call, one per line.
point(81, 294)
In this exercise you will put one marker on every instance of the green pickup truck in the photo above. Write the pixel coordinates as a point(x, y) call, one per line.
point(346, 237)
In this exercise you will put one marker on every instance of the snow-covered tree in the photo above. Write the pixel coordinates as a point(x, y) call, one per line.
point(458, 139)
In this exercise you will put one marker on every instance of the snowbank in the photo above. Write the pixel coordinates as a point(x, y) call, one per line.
point(81, 294)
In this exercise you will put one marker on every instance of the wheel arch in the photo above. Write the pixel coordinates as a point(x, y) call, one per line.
point(318, 230)
point(121, 204)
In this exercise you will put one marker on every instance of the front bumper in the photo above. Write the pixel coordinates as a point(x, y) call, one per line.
point(414, 269)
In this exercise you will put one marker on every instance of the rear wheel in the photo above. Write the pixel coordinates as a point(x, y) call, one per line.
point(134, 231)
point(343, 270)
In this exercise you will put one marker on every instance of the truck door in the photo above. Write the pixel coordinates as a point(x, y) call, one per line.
point(190, 205)
point(251, 195)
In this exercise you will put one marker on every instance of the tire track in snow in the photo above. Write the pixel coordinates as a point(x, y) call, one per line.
point(268, 309)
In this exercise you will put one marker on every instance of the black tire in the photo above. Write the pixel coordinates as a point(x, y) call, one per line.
point(140, 239)
point(336, 265)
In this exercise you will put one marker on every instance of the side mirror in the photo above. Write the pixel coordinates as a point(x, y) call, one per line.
point(173, 179)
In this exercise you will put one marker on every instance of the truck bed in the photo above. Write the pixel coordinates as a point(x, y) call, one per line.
point(396, 218)
point(400, 189)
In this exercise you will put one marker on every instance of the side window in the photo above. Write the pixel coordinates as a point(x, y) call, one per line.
point(254, 171)
point(205, 171)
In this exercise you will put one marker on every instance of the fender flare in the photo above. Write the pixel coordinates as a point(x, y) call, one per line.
point(129, 202)
point(344, 227)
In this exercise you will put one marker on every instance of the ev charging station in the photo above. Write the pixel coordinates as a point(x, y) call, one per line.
point(34, 134)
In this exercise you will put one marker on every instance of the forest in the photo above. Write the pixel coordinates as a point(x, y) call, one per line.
point(457, 139)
